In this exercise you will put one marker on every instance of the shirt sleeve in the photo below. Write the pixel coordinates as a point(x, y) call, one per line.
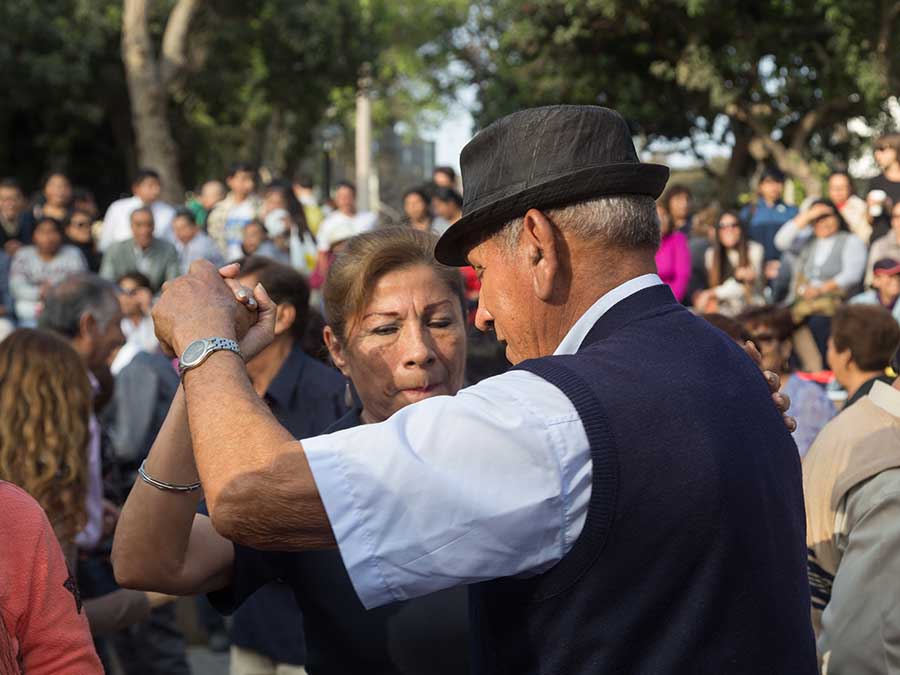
point(492, 482)
point(853, 263)
point(861, 623)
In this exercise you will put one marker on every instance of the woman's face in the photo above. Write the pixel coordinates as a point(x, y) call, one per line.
point(895, 219)
point(58, 190)
point(415, 207)
point(729, 231)
point(79, 228)
point(825, 224)
point(47, 238)
point(408, 344)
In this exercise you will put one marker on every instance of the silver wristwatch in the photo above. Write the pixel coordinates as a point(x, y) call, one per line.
point(199, 350)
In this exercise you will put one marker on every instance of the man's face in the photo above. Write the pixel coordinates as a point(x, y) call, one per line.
point(147, 190)
point(771, 190)
point(838, 362)
point(211, 194)
point(142, 229)
point(134, 299)
point(345, 199)
point(79, 228)
point(839, 189)
point(241, 184)
point(98, 342)
point(442, 179)
point(11, 203)
point(506, 304)
point(254, 235)
point(888, 286)
point(183, 229)
point(885, 157)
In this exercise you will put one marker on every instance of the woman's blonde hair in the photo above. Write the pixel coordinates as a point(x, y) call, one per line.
point(368, 257)
point(45, 396)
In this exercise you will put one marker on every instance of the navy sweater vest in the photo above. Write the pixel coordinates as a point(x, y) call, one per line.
point(693, 555)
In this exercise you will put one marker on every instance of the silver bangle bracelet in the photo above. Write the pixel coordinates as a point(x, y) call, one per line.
point(162, 485)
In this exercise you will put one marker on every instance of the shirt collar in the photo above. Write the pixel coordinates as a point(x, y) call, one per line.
point(281, 389)
point(573, 339)
point(886, 397)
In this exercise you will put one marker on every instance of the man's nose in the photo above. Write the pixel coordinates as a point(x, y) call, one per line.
point(484, 320)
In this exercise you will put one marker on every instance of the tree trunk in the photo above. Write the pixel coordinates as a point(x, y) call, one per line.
point(739, 154)
point(148, 89)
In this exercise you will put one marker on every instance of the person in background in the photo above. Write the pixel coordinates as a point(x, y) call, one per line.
point(851, 486)
point(257, 243)
point(764, 217)
point(12, 212)
point(37, 267)
point(863, 340)
point(55, 200)
point(303, 190)
point(84, 200)
point(145, 190)
point(447, 204)
point(340, 224)
point(211, 193)
point(852, 208)
point(226, 221)
point(887, 156)
point(285, 221)
point(679, 202)
point(885, 287)
point(417, 212)
point(155, 258)
point(43, 628)
point(771, 329)
point(78, 234)
point(673, 258)
point(829, 268)
point(444, 177)
point(192, 243)
point(734, 267)
point(703, 230)
point(7, 307)
point(381, 355)
point(878, 214)
point(135, 298)
point(886, 246)
point(41, 378)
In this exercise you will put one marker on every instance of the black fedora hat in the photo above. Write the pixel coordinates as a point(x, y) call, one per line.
point(544, 158)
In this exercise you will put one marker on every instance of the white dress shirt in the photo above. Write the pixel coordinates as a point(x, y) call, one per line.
point(117, 223)
point(492, 482)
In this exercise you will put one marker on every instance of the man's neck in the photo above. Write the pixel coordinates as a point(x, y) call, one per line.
point(348, 212)
point(264, 367)
point(858, 378)
point(239, 199)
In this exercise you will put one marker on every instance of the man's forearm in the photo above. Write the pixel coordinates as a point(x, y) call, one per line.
point(258, 485)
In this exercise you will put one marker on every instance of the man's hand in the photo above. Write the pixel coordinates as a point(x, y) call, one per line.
point(260, 334)
point(199, 305)
point(782, 401)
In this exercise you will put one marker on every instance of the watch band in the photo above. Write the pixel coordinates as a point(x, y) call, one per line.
point(198, 351)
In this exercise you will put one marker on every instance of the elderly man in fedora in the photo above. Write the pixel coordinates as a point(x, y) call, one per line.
point(625, 499)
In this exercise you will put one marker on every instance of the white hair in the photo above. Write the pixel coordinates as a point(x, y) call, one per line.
point(622, 221)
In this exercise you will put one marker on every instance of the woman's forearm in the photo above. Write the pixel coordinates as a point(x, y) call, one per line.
point(154, 529)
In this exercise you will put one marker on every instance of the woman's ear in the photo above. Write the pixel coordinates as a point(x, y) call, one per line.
point(336, 349)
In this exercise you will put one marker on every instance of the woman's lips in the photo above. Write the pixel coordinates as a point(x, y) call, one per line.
point(421, 390)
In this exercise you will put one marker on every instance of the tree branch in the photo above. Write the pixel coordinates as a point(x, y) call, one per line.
point(811, 120)
point(174, 44)
point(889, 14)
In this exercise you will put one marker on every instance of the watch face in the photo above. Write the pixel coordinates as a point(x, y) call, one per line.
point(193, 352)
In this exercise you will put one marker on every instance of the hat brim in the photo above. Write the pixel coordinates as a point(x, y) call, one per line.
point(571, 188)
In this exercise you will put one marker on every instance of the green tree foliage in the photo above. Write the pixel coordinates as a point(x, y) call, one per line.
point(785, 73)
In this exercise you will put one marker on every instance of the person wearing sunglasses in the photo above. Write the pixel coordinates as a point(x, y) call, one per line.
point(78, 234)
point(829, 267)
point(770, 329)
point(734, 267)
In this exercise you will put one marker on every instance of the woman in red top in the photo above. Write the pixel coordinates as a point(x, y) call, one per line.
point(43, 628)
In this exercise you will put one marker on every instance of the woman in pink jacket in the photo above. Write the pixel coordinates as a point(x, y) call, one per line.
point(673, 259)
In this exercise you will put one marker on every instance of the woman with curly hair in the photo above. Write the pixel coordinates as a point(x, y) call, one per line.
point(46, 399)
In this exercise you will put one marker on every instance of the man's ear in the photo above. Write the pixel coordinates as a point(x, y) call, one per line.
point(336, 349)
point(87, 325)
point(285, 316)
point(541, 248)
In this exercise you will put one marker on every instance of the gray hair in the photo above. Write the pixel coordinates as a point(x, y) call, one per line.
point(622, 221)
point(76, 296)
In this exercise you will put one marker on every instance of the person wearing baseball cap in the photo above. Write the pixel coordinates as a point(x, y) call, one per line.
point(626, 499)
point(885, 287)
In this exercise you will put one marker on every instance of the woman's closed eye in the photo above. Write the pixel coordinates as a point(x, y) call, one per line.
point(442, 322)
point(387, 329)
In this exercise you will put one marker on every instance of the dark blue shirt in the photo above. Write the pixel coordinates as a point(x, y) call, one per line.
point(427, 635)
point(305, 397)
point(764, 221)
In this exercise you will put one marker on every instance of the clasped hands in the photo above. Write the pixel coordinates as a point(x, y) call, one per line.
point(208, 302)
